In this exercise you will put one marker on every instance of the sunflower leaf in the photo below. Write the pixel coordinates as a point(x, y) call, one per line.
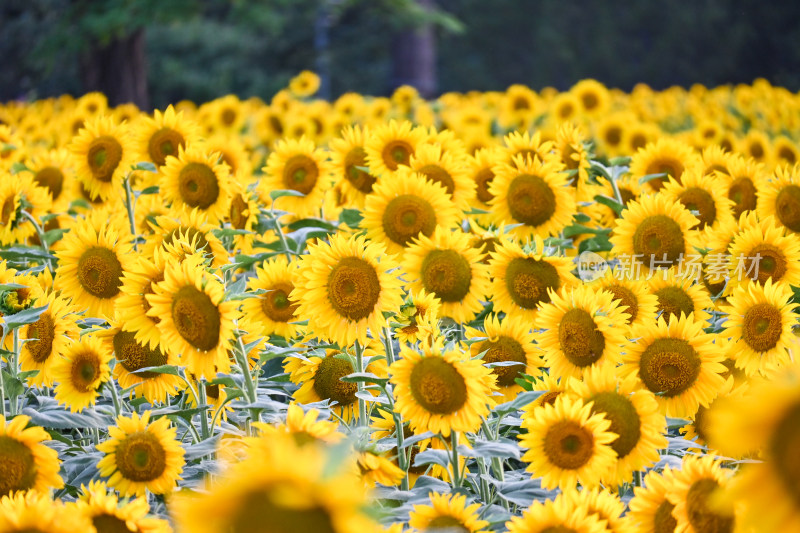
point(171, 370)
point(17, 167)
point(147, 166)
point(28, 316)
point(501, 448)
point(611, 203)
point(274, 195)
point(649, 177)
point(351, 217)
point(365, 377)
point(435, 457)
point(149, 190)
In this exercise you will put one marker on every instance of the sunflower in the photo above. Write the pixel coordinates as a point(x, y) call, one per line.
point(593, 96)
point(518, 106)
point(695, 495)
point(349, 161)
point(299, 166)
point(757, 145)
point(583, 328)
point(572, 149)
point(505, 341)
point(449, 268)
point(634, 418)
point(390, 146)
point(304, 84)
point(565, 107)
point(225, 114)
point(191, 227)
point(716, 160)
point(141, 455)
point(344, 287)
point(418, 318)
point(760, 320)
point(780, 198)
point(654, 233)
point(243, 212)
point(557, 515)
point(447, 512)
point(567, 444)
point(448, 169)
point(195, 321)
point(92, 261)
point(271, 312)
point(47, 339)
point(52, 170)
point(745, 180)
point(677, 362)
point(107, 513)
point(668, 158)
point(17, 194)
point(35, 511)
point(480, 168)
point(26, 463)
point(148, 208)
point(551, 387)
point(194, 179)
point(678, 296)
point(439, 391)
point(80, 372)
point(405, 207)
point(233, 152)
point(164, 135)
point(376, 469)
point(649, 510)
point(634, 298)
point(533, 194)
point(700, 194)
point(304, 426)
point(610, 132)
point(603, 504)
point(786, 151)
point(764, 252)
point(132, 306)
point(102, 154)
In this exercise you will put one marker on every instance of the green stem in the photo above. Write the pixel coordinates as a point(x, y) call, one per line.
point(454, 459)
point(281, 236)
point(129, 201)
point(387, 343)
point(250, 386)
point(115, 397)
point(201, 393)
point(12, 400)
point(402, 458)
point(40, 234)
point(362, 405)
point(2, 381)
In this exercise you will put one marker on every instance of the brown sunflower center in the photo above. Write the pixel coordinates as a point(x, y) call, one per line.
point(17, 465)
point(300, 173)
point(406, 216)
point(700, 201)
point(198, 185)
point(132, 355)
point(628, 301)
point(548, 398)
point(52, 178)
point(783, 446)
point(768, 260)
point(236, 213)
point(744, 195)
point(85, 371)
point(438, 386)
point(100, 272)
point(271, 502)
point(362, 181)
point(276, 304)
point(108, 523)
point(6, 211)
point(196, 318)
point(396, 153)
point(582, 343)
point(228, 116)
point(663, 521)
point(328, 382)
point(669, 366)
point(568, 445)
point(700, 424)
point(787, 154)
point(353, 288)
point(531, 200)
point(625, 421)
point(612, 135)
point(437, 174)
point(483, 179)
point(447, 274)
point(446, 523)
point(787, 207)
point(504, 349)
point(762, 327)
point(660, 239)
point(43, 333)
point(701, 516)
point(527, 280)
point(141, 457)
point(673, 168)
point(163, 143)
point(672, 301)
point(103, 157)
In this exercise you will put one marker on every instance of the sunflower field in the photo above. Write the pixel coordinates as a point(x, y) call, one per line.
point(534, 312)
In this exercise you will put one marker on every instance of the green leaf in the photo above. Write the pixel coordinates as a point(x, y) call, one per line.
point(609, 202)
point(11, 286)
point(150, 190)
point(24, 254)
point(147, 166)
point(312, 223)
point(351, 217)
point(580, 229)
point(18, 167)
point(12, 385)
point(649, 177)
point(28, 316)
point(274, 195)
point(171, 370)
point(501, 448)
point(582, 218)
point(53, 235)
point(365, 377)
point(229, 232)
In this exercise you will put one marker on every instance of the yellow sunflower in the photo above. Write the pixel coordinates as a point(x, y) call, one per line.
point(649, 510)
point(447, 512)
point(47, 339)
point(53, 171)
point(678, 363)
point(344, 287)
point(191, 227)
point(557, 515)
point(695, 493)
point(567, 444)
point(26, 463)
point(448, 169)
point(418, 319)
point(17, 194)
point(195, 179)
point(634, 298)
point(195, 321)
point(107, 513)
point(35, 511)
point(755, 144)
point(141, 455)
point(583, 328)
point(406, 206)
point(390, 146)
point(700, 194)
point(634, 418)
point(304, 426)
point(234, 152)
point(164, 134)
point(439, 391)
point(102, 154)
point(376, 469)
point(572, 149)
point(716, 160)
point(785, 150)
point(745, 180)
point(764, 252)
point(304, 84)
point(603, 504)
point(480, 167)
point(349, 160)
point(680, 296)
point(243, 214)
point(593, 96)
point(271, 312)
point(668, 158)
point(780, 198)
point(80, 372)
point(132, 306)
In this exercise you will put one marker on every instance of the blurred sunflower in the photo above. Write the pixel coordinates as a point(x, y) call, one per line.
point(304, 427)
point(349, 160)
point(664, 159)
point(304, 84)
point(556, 515)
point(780, 198)
point(376, 469)
point(448, 169)
point(35, 511)
point(649, 510)
point(745, 180)
point(107, 513)
point(178, 229)
point(480, 167)
point(16, 195)
point(102, 155)
point(25, 463)
point(52, 170)
point(389, 146)
point(447, 512)
point(164, 135)
point(700, 195)
point(696, 490)
point(603, 504)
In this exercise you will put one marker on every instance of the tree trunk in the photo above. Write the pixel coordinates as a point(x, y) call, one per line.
point(414, 57)
point(119, 70)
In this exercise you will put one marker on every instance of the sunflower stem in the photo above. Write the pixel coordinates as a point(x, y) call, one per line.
point(454, 459)
point(129, 200)
point(250, 387)
point(387, 343)
point(402, 458)
point(115, 397)
point(362, 405)
point(12, 399)
point(279, 230)
point(40, 233)
point(202, 397)
point(637, 478)
point(2, 381)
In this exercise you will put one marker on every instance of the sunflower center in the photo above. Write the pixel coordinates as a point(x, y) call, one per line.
point(531, 200)
point(627, 299)
point(164, 142)
point(699, 200)
point(527, 280)
point(663, 521)
point(483, 178)
point(43, 332)
point(17, 465)
point(141, 457)
point(6, 211)
point(447, 523)
point(671, 167)
point(672, 301)
point(228, 116)
point(548, 398)
point(300, 173)
point(104, 156)
point(625, 421)
point(669, 366)
point(133, 356)
point(438, 386)
point(396, 153)
point(236, 212)
point(276, 304)
point(568, 445)
point(699, 424)
point(613, 135)
point(406, 216)
point(353, 288)
point(744, 195)
point(504, 349)
point(363, 181)
point(100, 272)
point(659, 238)
point(108, 523)
point(52, 178)
point(558, 529)
point(787, 207)
point(328, 382)
point(84, 371)
point(701, 517)
point(783, 446)
point(266, 511)
point(787, 154)
point(447, 274)
point(762, 327)
point(196, 318)
point(198, 185)
point(768, 260)
point(582, 343)
point(437, 174)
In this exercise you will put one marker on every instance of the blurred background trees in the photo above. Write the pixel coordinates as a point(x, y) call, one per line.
point(154, 52)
